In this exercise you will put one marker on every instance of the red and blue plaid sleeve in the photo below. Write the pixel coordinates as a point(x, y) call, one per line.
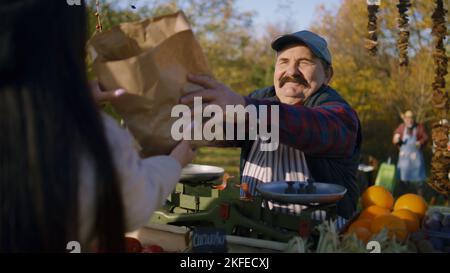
point(330, 129)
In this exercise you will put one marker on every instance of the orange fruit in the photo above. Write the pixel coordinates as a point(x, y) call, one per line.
point(378, 196)
point(361, 233)
point(410, 218)
point(392, 223)
point(372, 212)
point(412, 202)
point(365, 223)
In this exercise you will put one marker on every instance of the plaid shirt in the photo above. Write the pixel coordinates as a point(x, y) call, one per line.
point(328, 129)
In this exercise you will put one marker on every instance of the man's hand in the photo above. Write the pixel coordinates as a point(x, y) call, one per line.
point(214, 93)
point(104, 96)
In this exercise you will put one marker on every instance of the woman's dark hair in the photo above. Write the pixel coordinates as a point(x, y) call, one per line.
point(49, 124)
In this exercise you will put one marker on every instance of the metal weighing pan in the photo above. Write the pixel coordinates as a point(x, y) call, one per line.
point(200, 174)
point(301, 192)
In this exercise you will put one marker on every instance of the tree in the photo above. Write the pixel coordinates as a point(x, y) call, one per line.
point(376, 86)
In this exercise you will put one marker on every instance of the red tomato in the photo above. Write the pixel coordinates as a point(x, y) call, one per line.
point(153, 249)
point(132, 245)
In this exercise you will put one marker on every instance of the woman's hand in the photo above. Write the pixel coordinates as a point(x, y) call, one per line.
point(104, 96)
point(183, 153)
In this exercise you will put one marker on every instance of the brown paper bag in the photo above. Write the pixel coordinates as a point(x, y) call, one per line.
point(151, 60)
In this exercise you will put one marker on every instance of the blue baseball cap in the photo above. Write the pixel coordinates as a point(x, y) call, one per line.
point(317, 44)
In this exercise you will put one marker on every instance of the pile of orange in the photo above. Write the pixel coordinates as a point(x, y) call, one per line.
point(380, 211)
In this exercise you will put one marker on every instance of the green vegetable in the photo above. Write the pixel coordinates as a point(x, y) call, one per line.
point(329, 238)
point(296, 245)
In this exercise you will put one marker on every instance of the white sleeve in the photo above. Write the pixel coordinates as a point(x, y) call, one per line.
point(145, 183)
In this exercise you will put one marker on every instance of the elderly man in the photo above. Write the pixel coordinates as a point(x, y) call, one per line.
point(319, 132)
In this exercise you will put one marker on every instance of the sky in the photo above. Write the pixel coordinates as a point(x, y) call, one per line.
point(301, 12)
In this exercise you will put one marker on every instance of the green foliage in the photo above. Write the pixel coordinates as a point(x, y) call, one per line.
point(235, 56)
point(377, 87)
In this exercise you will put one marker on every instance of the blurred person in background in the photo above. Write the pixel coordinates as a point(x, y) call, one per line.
point(410, 137)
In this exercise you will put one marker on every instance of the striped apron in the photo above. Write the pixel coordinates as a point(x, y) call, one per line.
point(284, 164)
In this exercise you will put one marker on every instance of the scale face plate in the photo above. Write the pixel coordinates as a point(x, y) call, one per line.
point(284, 192)
point(199, 174)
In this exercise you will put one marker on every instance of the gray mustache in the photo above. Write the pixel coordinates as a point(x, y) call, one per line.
point(295, 79)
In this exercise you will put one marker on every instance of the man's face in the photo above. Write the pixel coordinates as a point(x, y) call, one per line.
point(409, 122)
point(298, 74)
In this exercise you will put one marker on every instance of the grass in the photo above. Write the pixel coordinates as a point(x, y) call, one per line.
point(227, 158)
